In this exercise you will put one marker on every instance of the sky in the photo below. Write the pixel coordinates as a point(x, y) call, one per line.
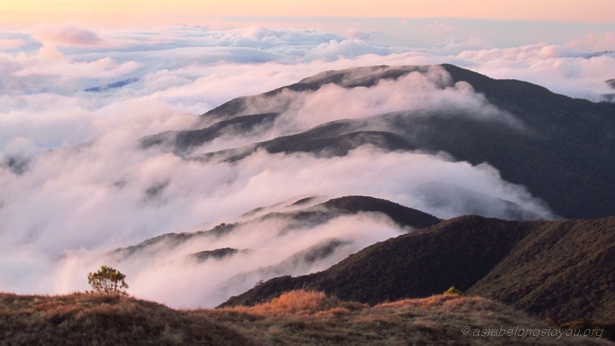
point(117, 12)
point(81, 82)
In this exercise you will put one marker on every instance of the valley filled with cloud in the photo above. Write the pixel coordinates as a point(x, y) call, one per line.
point(77, 182)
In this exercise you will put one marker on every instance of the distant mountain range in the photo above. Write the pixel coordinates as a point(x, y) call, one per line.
point(304, 212)
point(559, 148)
point(110, 86)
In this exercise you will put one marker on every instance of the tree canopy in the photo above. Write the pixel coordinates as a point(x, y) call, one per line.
point(108, 280)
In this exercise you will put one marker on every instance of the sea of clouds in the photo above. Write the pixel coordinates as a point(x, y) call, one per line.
point(75, 100)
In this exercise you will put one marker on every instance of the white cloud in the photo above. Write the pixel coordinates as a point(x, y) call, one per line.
point(334, 50)
point(421, 93)
point(92, 198)
point(563, 70)
point(63, 68)
point(595, 42)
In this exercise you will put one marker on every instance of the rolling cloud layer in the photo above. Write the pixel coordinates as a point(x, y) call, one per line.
point(75, 183)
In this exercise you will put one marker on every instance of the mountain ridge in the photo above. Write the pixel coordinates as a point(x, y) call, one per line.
point(558, 147)
point(346, 205)
point(508, 261)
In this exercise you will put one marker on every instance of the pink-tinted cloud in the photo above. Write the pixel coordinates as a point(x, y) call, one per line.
point(596, 42)
point(66, 34)
point(11, 43)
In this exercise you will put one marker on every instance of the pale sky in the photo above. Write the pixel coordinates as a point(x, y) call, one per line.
point(154, 12)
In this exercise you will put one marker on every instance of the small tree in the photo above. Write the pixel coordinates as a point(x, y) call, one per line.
point(453, 290)
point(108, 280)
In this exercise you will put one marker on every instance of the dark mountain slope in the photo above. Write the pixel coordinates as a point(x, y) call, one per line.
point(184, 140)
point(456, 252)
point(561, 267)
point(216, 254)
point(558, 269)
point(348, 78)
point(567, 160)
point(404, 216)
point(324, 141)
point(400, 214)
point(551, 169)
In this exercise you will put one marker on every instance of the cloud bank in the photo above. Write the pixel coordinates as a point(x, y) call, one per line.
point(74, 183)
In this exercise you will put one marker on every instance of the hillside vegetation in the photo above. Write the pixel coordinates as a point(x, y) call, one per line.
point(93, 319)
point(561, 270)
point(295, 318)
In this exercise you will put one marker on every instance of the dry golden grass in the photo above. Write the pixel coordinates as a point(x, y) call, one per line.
point(298, 302)
point(295, 318)
point(312, 318)
point(94, 319)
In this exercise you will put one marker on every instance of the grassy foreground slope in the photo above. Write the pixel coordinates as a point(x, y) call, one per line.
point(92, 319)
point(295, 318)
